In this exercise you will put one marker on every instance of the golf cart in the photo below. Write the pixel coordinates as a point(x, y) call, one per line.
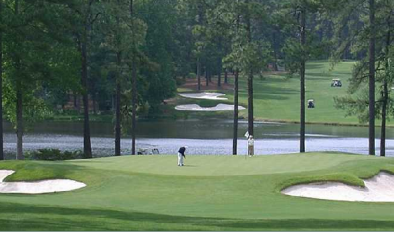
point(336, 83)
point(148, 151)
point(311, 103)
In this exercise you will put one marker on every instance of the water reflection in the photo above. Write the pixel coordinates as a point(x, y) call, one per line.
point(202, 137)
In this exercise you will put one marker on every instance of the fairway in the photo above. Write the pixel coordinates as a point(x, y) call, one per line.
point(209, 193)
point(277, 96)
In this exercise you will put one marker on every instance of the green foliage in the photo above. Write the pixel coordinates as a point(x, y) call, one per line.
point(247, 56)
point(53, 155)
point(352, 33)
point(35, 108)
point(293, 51)
point(161, 82)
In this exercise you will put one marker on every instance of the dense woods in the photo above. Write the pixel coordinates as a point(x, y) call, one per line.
point(125, 57)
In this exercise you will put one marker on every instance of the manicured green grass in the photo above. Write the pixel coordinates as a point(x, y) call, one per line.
point(209, 193)
point(277, 97)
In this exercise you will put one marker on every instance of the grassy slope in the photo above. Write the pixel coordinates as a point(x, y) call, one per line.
point(211, 193)
point(276, 97)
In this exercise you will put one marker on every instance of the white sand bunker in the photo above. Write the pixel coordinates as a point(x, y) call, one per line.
point(380, 188)
point(196, 107)
point(205, 95)
point(37, 187)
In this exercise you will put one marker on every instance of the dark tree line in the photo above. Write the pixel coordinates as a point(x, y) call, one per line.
point(125, 57)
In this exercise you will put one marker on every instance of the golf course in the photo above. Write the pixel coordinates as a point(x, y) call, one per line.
point(210, 193)
point(276, 95)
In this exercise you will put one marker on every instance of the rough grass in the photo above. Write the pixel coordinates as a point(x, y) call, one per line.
point(218, 193)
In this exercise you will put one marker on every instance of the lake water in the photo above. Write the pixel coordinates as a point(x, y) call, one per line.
point(210, 137)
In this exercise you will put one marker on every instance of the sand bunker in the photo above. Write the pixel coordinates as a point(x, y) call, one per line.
point(196, 107)
point(37, 187)
point(380, 188)
point(205, 95)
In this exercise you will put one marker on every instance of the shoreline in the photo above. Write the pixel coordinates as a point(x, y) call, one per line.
point(260, 120)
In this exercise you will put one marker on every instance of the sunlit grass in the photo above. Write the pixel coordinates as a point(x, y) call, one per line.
point(209, 193)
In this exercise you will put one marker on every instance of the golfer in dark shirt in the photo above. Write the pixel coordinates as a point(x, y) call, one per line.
point(181, 155)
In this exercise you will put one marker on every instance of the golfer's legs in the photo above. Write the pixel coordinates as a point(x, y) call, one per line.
point(250, 150)
point(179, 158)
point(181, 161)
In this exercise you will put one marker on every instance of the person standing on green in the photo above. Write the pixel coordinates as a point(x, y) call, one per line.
point(181, 155)
point(250, 146)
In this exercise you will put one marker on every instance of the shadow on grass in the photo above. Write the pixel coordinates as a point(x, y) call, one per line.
point(18, 217)
point(31, 170)
point(314, 65)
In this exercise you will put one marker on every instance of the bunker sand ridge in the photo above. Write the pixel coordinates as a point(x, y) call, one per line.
point(380, 188)
point(196, 107)
point(37, 187)
point(205, 95)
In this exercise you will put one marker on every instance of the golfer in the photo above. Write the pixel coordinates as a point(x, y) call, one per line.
point(181, 155)
point(250, 146)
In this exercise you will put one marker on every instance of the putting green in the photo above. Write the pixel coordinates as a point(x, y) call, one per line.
point(220, 165)
point(212, 193)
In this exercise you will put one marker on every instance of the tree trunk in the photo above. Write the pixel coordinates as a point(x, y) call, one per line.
point(372, 77)
point(19, 120)
point(250, 82)
point(75, 96)
point(117, 117)
point(94, 103)
point(87, 149)
point(225, 76)
point(206, 77)
point(385, 94)
point(250, 103)
point(133, 85)
point(235, 126)
point(113, 104)
point(275, 51)
point(383, 129)
point(117, 111)
point(134, 105)
point(302, 74)
point(19, 103)
point(200, 22)
point(220, 73)
point(1, 84)
point(198, 74)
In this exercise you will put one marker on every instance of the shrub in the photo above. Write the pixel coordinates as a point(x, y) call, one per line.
point(53, 155)
point(192, 75)
point(179, 81)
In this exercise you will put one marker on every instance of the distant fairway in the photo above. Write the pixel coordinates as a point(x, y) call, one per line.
point(277, 97)
point(210, 193)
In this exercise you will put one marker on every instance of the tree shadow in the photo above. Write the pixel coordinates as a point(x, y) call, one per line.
point(20, 217)
point(314, 65)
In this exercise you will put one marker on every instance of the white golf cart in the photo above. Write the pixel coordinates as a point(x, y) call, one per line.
point(148, 151)
point(311, 103)
point(336, 83)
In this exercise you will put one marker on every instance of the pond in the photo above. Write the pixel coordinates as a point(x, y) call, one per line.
point(203, 137)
